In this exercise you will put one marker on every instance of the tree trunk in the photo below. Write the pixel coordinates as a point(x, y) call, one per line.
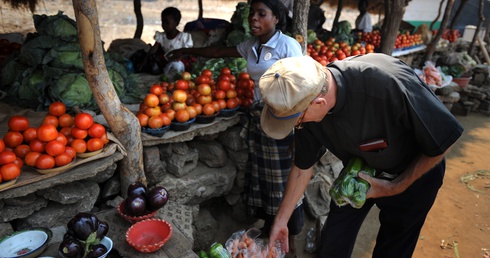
point(335, 24)
point(471, 50)
point(122, 122)
point(300, 22)
point(139, 19)
point(431, 47)
point(431, 27)
point(458, 13)
point(394, 10)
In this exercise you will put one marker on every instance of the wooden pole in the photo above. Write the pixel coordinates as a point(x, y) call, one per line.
point(123, 123)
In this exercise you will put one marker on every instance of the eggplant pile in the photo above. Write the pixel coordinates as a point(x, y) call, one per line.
point(348, 187)
point(82, 240)
point(141, 200)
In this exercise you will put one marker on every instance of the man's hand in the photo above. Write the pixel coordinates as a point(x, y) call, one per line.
point(279, 234)
point(381, 187)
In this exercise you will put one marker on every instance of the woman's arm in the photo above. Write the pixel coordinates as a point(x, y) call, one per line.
point(209, 52)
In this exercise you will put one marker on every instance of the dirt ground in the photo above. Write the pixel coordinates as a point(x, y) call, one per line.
point(457, 226)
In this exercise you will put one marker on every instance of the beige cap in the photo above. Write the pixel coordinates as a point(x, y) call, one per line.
point(287, 88)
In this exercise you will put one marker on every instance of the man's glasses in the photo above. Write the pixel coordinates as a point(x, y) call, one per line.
point(299, 124)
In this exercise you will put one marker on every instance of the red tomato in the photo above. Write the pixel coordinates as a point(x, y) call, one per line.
point(66, 131)
point(52, 120)
point(151, 100)
point(181, 85)
point(62, 138)
point(155, 122)
point(37, 145)
point(7, 156)
point(96, 130)
point(79, 145)
point(70, 151)
point(143, 119)
point(13, 139)
point(208, 109)
point(192, 111)
point(55, 148)
point(166, 120)
point(182, 116)
point(47, 132)
point(9, 171)
point(78, 133)
point(207, 73)
point(18, 123)
point(29, 134)
point(65, 120)
point(83, 120)
point(62, 159)
point(45, 161)
point(226, 71)
point(95, 144)
point(31, 157)
point(2, 145)
point(105, 138)
point(156, 89)
point(57, 109)
point(19, 162)
point(179, 95)
point(232, 103)
point(22, 150)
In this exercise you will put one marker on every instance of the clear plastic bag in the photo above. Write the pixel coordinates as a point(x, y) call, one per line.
point(246, 244)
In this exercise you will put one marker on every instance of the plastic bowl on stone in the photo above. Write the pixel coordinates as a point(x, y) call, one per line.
point(462, 81)
point(227, 112)
point(107, 242)
point(25, 243)
point(133, 219)
point(149, 236)
point(158, 132)
point(202, 119)
point(177, 126)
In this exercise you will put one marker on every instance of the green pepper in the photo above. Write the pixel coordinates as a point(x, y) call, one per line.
point(358, 199)
point(203, 254)
point(218, 251)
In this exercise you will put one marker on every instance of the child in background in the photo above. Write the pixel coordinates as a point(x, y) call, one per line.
point(171, 38)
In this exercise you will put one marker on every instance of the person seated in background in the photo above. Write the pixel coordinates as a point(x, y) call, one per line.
point(171, 38)
point(363, 21)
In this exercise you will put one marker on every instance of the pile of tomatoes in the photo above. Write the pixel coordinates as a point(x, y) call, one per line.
point(55, 143)
point(186, 98)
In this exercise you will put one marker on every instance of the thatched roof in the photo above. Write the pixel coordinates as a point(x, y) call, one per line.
point(23, 4)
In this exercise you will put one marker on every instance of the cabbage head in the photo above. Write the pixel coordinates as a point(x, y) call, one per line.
point(58, 25)
point(28, 91)
point(72, 89)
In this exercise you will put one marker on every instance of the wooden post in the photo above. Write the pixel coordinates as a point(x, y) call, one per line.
point(122, 122)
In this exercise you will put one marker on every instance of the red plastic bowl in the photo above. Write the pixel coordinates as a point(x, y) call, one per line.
point(120, 210)
point(149, 235)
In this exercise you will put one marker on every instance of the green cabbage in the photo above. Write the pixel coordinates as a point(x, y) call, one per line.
point(72, 89)
point(29, 91)
point(58, 25)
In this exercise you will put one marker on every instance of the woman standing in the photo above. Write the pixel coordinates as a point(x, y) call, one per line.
point(270, 160)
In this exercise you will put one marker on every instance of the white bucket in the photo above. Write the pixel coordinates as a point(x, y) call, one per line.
point(469, 32)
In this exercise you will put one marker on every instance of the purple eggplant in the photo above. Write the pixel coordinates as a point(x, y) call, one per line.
point(156, 198)
point(137, 188)
point(71, 248)
point(102, 229)
point(135, 205)
point(82, 225)
point(97, 251)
